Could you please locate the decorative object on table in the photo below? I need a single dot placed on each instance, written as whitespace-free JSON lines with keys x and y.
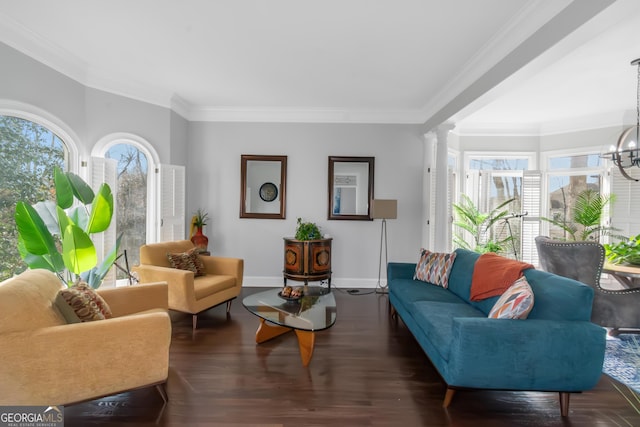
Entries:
{"x":383,"y":209}
{"x":307,"y":231}
{"x":198,"y":222}
{"x":626,"y":153}
{"x":291,"y":294}
{"x":268,"y":192}
{"x":56,"y":235}
{"x":625,"y":251}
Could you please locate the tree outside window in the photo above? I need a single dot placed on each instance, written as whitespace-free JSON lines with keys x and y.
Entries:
{"x":28,"y":154}
{"x":131,"y":202}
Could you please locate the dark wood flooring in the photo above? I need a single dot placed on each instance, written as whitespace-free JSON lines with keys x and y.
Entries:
{"x":366,"y":371}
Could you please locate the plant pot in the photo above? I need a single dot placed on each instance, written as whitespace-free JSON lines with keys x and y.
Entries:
{"x":200,"y":240}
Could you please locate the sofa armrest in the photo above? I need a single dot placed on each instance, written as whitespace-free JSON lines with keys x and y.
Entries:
{"x":224,"y":266}
{"x":70,"y":363}
{"x":134,"y":299}
{"x":180,"y":282}
{"x":532,"y":354}
{"x":400,"y":270}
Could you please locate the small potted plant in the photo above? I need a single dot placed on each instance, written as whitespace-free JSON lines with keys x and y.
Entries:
{"x":307,"y":231}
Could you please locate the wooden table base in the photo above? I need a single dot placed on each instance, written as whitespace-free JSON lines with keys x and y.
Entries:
{"x":306,"y":339}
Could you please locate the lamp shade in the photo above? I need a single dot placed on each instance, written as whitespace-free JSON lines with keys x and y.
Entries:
{"x":384,"y":209}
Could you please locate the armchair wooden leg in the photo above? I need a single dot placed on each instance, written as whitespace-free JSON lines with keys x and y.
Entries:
{"x":448,"y":397}
{"x":162,"y":390}
{"x":564,"y":403}
{"x":229,"y":305}
{"x":194,"y":321}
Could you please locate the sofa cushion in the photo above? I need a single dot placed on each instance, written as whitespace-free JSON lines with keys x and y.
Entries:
{"x":411,"y":290}
{"x":493,"y":274}
{"x":80,"y":303}
{"x":436,"y":321}
{"x":461,"y":273}
{"x":205,"y":286}
{"x":434,"y":267}
{"x":188,"y":260}
{"x":515,"y":303}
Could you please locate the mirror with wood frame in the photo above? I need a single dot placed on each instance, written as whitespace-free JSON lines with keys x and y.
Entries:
{"x":263,"y":182}
{"x":350,"y":187}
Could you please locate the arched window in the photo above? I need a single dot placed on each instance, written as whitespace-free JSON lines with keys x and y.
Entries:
{"x":29,"y":152}
{"x":135,"y":198}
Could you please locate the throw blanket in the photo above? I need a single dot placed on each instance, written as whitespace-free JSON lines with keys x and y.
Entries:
{"x":493,"y":274}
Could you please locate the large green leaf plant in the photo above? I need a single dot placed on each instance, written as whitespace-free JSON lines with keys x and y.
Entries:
{"x":478,"y":224}
{"x":585,"y":221}
{"x":56,"y":235}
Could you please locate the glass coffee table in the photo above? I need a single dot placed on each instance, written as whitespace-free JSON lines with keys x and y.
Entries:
{"x":313,"y":312}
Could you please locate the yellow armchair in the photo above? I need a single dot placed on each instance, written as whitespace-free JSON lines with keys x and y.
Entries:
{"x":45,"y":361}
{"x":187,"y":293}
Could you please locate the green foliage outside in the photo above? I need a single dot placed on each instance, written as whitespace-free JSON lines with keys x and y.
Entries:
{"x":585,"y":219}
{"x":479,"y":225}
{"x":28,"y":155}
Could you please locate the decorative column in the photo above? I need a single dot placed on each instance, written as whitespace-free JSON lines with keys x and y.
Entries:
{"x":428,"y":197}
{"x":441,"y":223}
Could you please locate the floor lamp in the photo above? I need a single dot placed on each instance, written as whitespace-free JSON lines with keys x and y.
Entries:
{"x":383,"y":209}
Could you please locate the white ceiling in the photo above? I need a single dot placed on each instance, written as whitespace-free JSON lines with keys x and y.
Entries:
{"x":388,"y":61}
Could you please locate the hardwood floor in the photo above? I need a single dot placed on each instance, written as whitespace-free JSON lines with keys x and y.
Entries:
{"x":366,"y":371}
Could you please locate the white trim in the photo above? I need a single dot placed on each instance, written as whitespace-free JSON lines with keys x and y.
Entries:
{"x":531,"y":157}
{"x":42,"y":117}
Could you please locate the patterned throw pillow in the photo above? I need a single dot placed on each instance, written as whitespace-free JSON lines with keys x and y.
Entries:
{"x":434,"y":267}
{"x":187,"y":261}
{"x":80,"y":303}
{"x":515,"y":303}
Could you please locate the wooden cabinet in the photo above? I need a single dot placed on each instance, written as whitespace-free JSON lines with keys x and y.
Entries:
{"x":308,"y":260}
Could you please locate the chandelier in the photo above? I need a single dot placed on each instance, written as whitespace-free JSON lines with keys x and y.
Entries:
{"x":626,"y":153}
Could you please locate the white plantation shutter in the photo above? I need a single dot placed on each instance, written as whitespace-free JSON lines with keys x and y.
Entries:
{"x":626,"y":207}
{"x":172,"y":203}
{"x":105,"y":171}
{"x":451,"y":198}
{"x":531,"y":200}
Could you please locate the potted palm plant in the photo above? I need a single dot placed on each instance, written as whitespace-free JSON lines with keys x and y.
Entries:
{"x":56,"y":235}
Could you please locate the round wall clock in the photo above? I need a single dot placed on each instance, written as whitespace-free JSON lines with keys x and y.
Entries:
{"x":268,"y":192}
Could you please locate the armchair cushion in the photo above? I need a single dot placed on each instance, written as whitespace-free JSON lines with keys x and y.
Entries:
{"x":80,"y":303}
{"x":188,"y":260}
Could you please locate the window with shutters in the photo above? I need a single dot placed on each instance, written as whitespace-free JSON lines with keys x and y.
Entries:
{"x":492,"y":179}
{"x":568,"y":175}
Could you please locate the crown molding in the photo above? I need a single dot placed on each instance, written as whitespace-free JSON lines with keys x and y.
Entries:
{"x":555,"y":127}
{"x":302,"y":115}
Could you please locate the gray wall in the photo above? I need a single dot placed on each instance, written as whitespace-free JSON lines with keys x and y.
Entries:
{"x":211,"y":153}
{"x":214,"y":185}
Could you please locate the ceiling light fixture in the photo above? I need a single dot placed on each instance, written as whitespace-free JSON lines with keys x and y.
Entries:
{"x":626,"y":153}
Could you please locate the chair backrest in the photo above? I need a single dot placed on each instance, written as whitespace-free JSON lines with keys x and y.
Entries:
{"x":581,"y":261}
{"x":26,"y":301}
{"x":156,"y":253}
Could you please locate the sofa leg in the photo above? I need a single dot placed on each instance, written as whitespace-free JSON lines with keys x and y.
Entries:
{"x":448,"y":397}
{"x":229,"y":305}
{"x":564,"y":403}
{"x":194,"y":321}
{"x":162,"y":390}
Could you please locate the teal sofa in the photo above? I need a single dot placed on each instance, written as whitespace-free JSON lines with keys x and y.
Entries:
{"x":556,"y":348}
